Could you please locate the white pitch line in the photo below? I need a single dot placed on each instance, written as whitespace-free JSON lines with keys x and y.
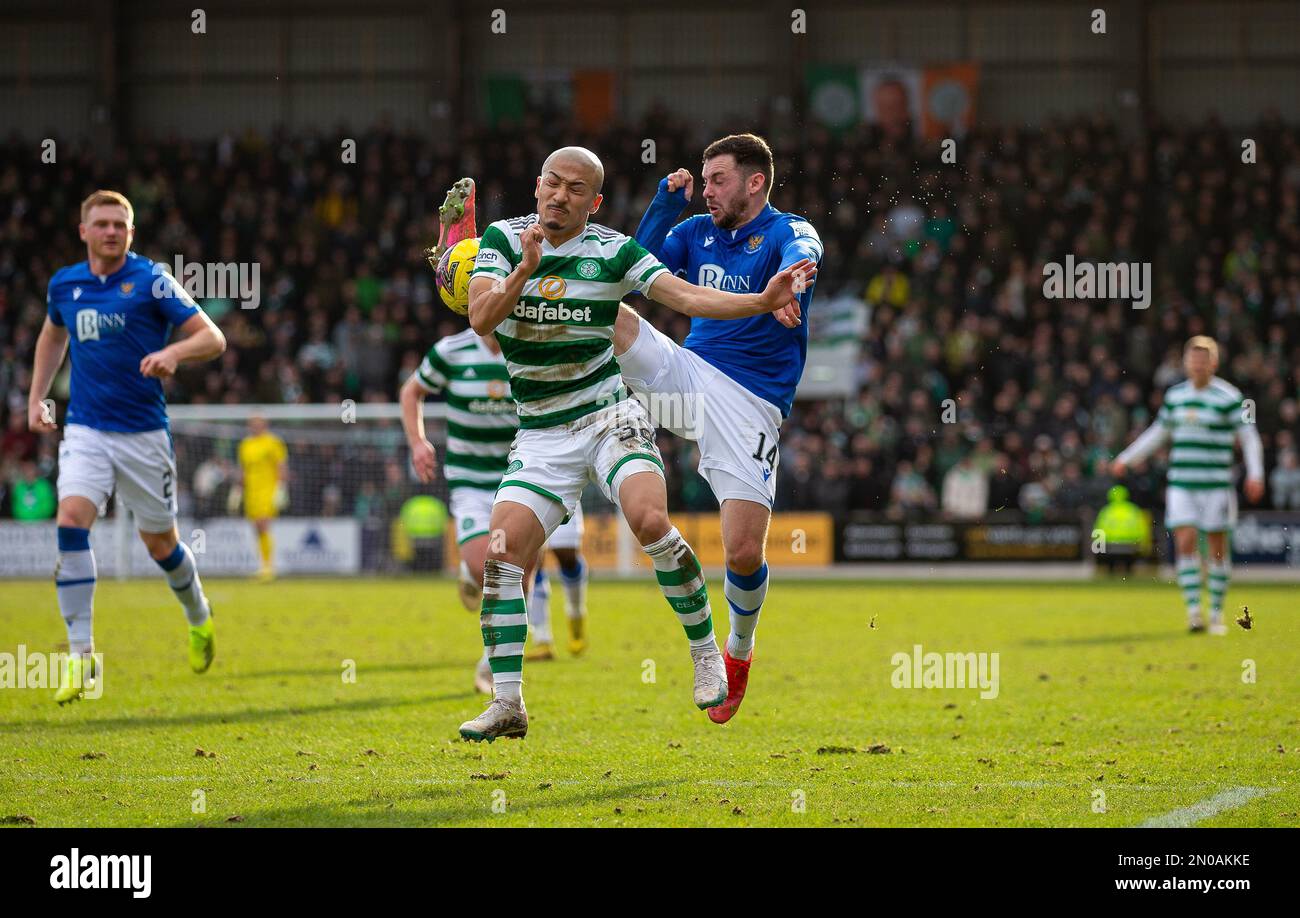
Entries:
{"x":1229,"y":799}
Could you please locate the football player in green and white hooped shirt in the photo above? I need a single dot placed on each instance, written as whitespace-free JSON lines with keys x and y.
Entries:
{"x":1203,"y":416}
{"x":549,"y":286}
{"x":481,"y":423}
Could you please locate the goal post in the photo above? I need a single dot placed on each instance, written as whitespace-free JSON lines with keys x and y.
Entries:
{"x":349,"y":481}
{"x":349,"y":478}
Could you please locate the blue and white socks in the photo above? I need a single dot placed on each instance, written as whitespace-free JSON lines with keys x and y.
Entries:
{"x":575,"y":589}
{"x":183,"y":577}
{"x":74,"y":581}
{"x":539,"y":609}
{"x":745,"y":594}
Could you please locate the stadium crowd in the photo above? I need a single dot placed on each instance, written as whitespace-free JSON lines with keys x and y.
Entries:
{"x":976,"y":394}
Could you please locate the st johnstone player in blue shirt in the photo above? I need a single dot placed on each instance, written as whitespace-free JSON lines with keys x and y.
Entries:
{"x":116,"y":312}
{"x":732,"y":382}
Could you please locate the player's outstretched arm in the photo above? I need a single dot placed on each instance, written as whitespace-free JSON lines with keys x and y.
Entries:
{"x":423,"y":455}
{"x":201,"y":340}
{"x":51,"y":345}
{"x":491,"y":299}
{"x":1147,"y":443}
{"x":1252,"y":450}
{"x":781,"y":293}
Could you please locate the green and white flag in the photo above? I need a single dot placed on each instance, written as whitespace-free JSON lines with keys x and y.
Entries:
{"x":833,"y":95}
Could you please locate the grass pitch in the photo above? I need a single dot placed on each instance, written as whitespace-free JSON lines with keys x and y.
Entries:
{"x":1100,"y":689}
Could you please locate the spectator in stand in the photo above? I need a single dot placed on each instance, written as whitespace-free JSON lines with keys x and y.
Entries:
{"x":867,"y":491}
{"x":1072,"y":491}
{"x":31,"y":496}
{"x":888,"y":288}
{"x":19,"y":444}
{"x":965,"y":491}
{"x":1285,"y":481}
{"x":911,"y":495}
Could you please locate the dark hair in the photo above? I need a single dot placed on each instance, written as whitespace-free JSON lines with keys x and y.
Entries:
{"x":751,"y":152}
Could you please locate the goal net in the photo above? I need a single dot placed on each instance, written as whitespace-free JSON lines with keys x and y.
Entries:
{"x":349,"y":481}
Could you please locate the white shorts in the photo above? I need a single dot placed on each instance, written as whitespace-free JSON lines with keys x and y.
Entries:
{"x":1209,"y":510}
{"x":471,"y":508}
{"x":550,"y":466}
{"x":140,"y":466}
{"x":738,"y":432}
{"x":569,"y":535}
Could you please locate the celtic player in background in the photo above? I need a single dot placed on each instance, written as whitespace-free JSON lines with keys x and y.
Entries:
{"x":549,"y":286}
{"x":118,"y":313}
{"x":1203,"y":416}
{"x":263,"y":465}
{"x":481,"y":423}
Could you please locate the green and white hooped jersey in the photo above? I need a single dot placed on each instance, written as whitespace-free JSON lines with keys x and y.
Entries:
{"x":559,"y":340}
{"x":481,"y":417}
{"x":1202,"y":425}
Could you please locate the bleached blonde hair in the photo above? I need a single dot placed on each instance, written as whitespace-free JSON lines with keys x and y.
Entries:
{"x":1202,"y":341}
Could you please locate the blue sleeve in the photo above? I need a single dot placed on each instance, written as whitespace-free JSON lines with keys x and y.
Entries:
{"x":655,"y":232}
{"x":803,"y":243}
{"x":50,"y":309}
{"x":173,"y":302}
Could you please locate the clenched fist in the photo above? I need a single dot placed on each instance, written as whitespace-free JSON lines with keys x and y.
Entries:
{"x":40,"y":417}
{"x":681,"y":179}
{"x":531,"y":241}
{"x":160,"y":364}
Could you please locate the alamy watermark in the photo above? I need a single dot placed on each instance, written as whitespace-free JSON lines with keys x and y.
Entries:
{"x":946,"y":670}
{"x":234,"y":280}
{"x":103,"y":871}
{"x":37,"y":670}
{"x":1086,"y":280}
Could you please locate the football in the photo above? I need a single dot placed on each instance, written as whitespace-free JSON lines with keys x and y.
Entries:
{"x":452,"y":275}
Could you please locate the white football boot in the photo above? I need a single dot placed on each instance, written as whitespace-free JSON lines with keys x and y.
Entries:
{"x":710,"y":677}
{"x":503,"y":717}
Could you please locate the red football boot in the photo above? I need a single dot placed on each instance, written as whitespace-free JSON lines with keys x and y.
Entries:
{"x":456,"y":219}
{"x":737,"y":679}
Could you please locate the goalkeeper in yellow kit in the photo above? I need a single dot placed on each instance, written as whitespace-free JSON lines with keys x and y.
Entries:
{"x":263,"y":461}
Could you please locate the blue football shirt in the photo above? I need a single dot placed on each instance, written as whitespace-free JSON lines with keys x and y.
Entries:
{"x":759,"y":352}
{"x":112,"y":323}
